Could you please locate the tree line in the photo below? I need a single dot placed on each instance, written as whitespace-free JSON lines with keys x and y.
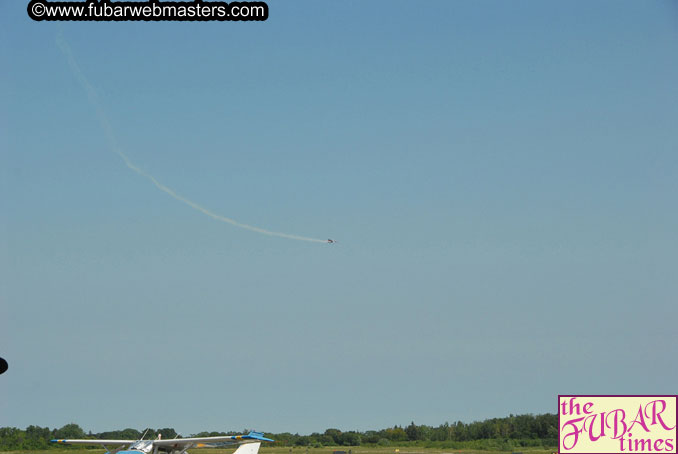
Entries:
{"x":496,"y":433}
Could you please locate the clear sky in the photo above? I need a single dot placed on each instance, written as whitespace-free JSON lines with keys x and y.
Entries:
{"x":502,"y":178}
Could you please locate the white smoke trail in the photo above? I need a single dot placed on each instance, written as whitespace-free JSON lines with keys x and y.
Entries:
{"x":103,"y":119}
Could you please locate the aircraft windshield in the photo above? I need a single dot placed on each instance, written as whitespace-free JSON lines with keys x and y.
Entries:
{"x":142,"y":445}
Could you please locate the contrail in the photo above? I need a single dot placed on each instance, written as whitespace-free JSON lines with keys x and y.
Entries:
{"x":103,"y":119}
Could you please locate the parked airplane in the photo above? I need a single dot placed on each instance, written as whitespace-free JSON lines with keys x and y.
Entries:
{"x":250,"y":444}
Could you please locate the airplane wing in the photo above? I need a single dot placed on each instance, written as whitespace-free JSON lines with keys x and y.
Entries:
{"x":93,"y":442}
{"x":251,"y":439}
{"x":117,"y":445}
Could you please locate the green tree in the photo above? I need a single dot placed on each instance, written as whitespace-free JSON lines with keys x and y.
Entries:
{"x":71,"y":430}
{"x":371,"y":436}
{"x":350,"y":439}
{"x":37,"y":437}
{"x":335,"y":435}
{"x":11,"y":438}
{"x":167,"y":433}
{"x":413,"y":432}
{"x":395,"y":434}
{"x":441,"y":433}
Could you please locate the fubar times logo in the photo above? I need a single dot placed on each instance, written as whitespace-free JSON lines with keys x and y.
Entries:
{"x":598,"y":424}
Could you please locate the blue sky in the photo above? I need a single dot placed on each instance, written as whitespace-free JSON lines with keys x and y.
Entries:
{"x":502,"y":179}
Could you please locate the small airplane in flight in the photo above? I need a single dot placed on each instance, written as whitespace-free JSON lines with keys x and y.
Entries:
{"x":330,"y":241}
{"x":250,"y":444}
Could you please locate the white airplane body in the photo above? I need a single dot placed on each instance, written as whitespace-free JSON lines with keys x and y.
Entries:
{"x":250,"y":444}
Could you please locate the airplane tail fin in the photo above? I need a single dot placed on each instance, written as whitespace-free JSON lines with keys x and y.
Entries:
{"x":248,"y":448}
{"x":256,"y":436}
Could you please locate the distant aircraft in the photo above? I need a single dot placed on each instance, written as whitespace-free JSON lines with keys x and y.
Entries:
{"x":330,"y":241}
{"x":250,"y":444}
